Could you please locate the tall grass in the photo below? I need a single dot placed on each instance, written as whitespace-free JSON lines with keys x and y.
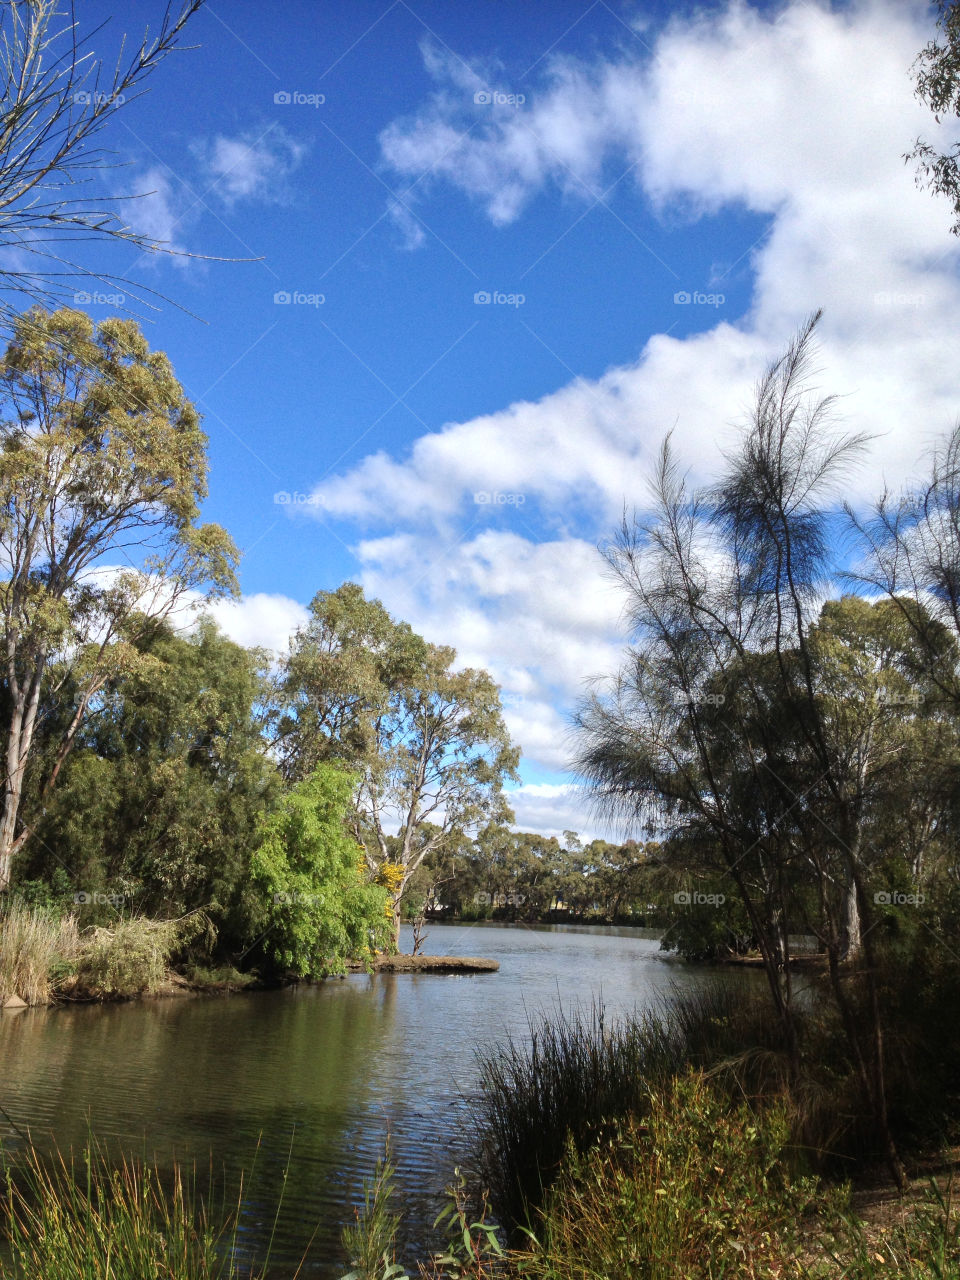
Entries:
{"x":579,"y":1073}
{"x":32,"y":943}
{"x":84,"y":1218}
{"x":370,"y":1241}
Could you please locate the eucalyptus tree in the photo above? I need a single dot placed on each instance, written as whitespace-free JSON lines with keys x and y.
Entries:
{"x":427,"y":740}
{"x":911,"y":545}
{"x":102,"y":471}
{"x":162,"y":797}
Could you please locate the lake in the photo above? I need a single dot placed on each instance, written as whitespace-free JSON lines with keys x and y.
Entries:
{"x":314,"y":1078}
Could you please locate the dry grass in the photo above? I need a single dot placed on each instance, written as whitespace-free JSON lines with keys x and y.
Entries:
{"x":31,"y":944}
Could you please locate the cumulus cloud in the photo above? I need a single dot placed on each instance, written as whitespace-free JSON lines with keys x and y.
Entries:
{"x":260,"y":620}
{"x":552,"y":808}
{"x":799,"y":114}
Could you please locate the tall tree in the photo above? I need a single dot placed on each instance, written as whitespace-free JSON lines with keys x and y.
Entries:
{"x":162,"y":797}
{"x":428,"y":741}
{"x":102,"y":470}
{"x":717,"y":726}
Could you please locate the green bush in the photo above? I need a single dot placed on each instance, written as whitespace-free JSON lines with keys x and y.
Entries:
{"x":133,"y":957}
{"x":697,"y":1189}
{"x":579,"y":1072}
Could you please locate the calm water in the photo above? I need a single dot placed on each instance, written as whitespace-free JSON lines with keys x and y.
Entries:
{"x":318,"y":1076}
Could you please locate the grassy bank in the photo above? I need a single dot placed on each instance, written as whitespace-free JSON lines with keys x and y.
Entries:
{"x":688,"y":1144}
{"x":44,"y":957}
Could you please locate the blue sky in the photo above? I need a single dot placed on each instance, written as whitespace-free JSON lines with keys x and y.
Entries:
{"x":653,"y":196}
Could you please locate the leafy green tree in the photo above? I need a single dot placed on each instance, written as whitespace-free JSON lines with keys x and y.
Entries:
{"x":318,"y":908}
{"x":101,"y":454}
{"x":343,"y":669}
{"x":427,"y":741}
{"x":162,"y":798}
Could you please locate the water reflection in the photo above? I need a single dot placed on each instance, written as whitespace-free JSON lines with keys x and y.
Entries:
{"x":313,"y":1079}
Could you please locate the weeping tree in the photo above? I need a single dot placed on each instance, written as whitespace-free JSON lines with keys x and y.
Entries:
{"x":102,"y":471}
{"x":719,"y":729}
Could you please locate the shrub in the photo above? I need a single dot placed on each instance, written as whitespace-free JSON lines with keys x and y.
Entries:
{"x":696,"y":1190}
{"x":579,"y":1072}
{"x":133,"y":957}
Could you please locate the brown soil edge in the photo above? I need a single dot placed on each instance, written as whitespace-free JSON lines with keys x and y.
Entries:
{"x":426,"y":964}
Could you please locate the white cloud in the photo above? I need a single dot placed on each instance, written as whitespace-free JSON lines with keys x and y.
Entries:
{"x":260,"y":620}
{"x":251,"y":166}
{"x":799,"y":114}
{"x":155,"y":211}
{"x":552,"y":808}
